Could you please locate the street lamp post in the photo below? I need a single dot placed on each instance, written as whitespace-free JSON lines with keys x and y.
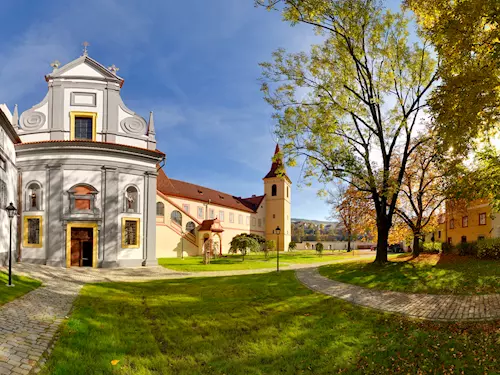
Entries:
{"x":11,"y":211}
{"x":278,"y":231}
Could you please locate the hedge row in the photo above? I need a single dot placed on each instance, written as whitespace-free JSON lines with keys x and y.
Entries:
{"x":483,"y":249}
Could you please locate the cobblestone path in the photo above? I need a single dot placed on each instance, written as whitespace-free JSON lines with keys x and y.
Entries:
{"x":423,"y":306}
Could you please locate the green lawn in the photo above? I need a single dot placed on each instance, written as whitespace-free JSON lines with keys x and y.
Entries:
{"x":253,"y":261}
{"x":255,"y":324}
{"x":434,"y":274}
{"x":22,"y":284}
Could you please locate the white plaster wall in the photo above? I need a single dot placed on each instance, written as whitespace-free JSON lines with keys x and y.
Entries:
{"x":168,"y":238}
{"x":74,"y":177}
{"x":121,"y":116}
{"x":335,"y":245}
{"x":82,"y":70}
{"x":124,"y":180}
{"x":67,"y":108}
{"x":45,"y":110}
{"x":27,"y":178}
{"x":131,"y":141}
{"x":9,"y":176}
{"x":37,"y":137}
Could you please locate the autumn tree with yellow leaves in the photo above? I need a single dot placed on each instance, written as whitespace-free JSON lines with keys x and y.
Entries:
{"x":355,"y":211}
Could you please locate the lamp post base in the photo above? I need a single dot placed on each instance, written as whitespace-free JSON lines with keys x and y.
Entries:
{"x":9,"y":285}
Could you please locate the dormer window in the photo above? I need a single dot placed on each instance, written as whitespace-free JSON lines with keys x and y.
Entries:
{"x":83,"y":126}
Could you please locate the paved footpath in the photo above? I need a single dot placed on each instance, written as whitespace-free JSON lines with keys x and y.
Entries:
{"x":422,"y":306}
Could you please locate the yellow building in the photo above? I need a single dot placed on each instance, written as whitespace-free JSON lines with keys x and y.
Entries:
{"x":192,"y":218}
{"x":467,"y":222}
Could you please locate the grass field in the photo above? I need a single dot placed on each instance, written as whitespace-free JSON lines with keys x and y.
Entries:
{"x":252,"y":261}
{"x":22,"y":286}
{"x":255,"y":324}
{"x":434,"y":274}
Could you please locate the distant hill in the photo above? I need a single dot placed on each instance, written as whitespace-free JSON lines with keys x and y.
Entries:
{"x":316,"y":222}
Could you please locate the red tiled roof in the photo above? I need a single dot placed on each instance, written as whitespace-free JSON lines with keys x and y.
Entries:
{"x":253,"y":202}
{"x":170,"y":187}
{"x":91,"y":143}
{"x":277,"y":164}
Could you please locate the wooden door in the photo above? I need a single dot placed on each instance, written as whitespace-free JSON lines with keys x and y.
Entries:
{"x":81,"y":239}
{"x":76,"y":253}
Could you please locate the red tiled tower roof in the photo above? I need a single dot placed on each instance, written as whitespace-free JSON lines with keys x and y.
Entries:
{"x":277,"y":166}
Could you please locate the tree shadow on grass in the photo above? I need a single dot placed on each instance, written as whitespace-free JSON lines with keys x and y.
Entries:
{"x":256,"y":324}
{"x":432,"y":274}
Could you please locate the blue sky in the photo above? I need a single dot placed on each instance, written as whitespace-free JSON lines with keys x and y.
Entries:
{"x":193,"y":62}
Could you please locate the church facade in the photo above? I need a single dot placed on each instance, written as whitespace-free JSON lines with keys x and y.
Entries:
{"x":86,"y":182}
{"x":85,"y":176}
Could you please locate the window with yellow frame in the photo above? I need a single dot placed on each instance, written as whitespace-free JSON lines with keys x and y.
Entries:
{"x":130,"y":233}
{"x":83,"y":126}
{"x":33,"y":232}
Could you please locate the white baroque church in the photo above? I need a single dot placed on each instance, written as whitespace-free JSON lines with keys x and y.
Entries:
{"x":86,"y":178}
{"x":86,"y":173}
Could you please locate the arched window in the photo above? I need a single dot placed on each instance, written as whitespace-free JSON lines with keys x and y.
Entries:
{"x":82,"y":198}
{"x":190,"y":227}
{"x":131,"y":199}
{"x":33,"y":197}
{"x":273,"y":190}
{"x":176,"y":217}
{"x":160,"y":209}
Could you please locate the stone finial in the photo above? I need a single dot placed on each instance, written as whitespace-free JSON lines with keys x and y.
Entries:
{"x":113,"y":69}
{"x":15,"y":117}
{"x":55,"y":65}
{"x":151,"y":124}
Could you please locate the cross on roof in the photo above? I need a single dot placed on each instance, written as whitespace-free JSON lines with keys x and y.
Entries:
{"x":85,"y":45}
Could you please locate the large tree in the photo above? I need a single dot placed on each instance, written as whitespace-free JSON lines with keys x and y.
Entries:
{"x":466,"y":35}
{"x":351,"y":105}
{"x":422,"y":191}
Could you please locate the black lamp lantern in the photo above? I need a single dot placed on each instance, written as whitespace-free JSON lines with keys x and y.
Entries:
{"x":11,"y":211}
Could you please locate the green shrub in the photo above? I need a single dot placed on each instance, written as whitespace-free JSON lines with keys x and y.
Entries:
{"x":467,"y":248}
{"x":292,"y":245}
{"x":319,"y":248}
{"x":488,"y":248}
{"x":446,"y":248}
{"x":431,"y":247}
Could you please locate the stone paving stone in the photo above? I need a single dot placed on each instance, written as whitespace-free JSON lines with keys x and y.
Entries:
{"x":423,"y":306}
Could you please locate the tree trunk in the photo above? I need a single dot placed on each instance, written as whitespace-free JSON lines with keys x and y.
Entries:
{"x":348,"y":243}
{"x":416,"y":244}
{"x":383,"y":228}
